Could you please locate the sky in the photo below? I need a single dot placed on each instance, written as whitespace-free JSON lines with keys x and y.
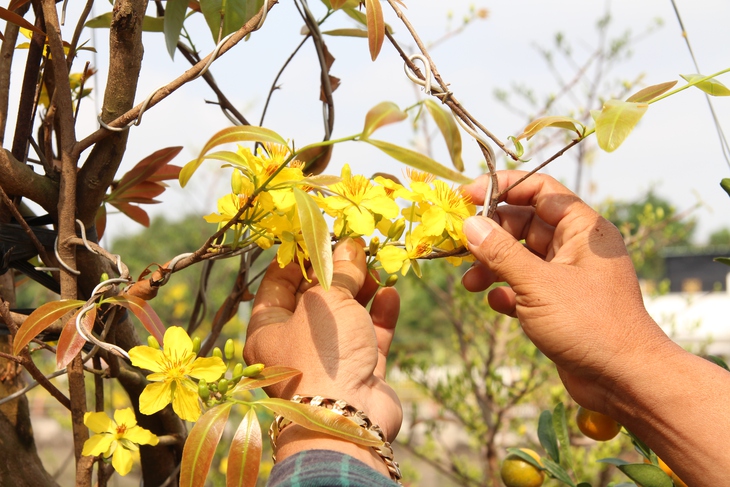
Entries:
{"x":674,"y":149}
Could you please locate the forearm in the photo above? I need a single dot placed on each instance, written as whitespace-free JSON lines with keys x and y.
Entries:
{"x":677,"y":403}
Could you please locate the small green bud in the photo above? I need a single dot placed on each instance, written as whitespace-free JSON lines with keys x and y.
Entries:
{"x":229,"y":349}
{"x":152,"y":342}
{"x":395,"y":231}
{"x":237,"y":371}
{"x":218,"y":353}
{"x":392,"y":279}
{"x":203,"y":390}
{"x":104,"y":277}
{"x":223,"y":386}
{"x":253,"y":370}
{"x":196,"y":345}
{"x":374,"y":246}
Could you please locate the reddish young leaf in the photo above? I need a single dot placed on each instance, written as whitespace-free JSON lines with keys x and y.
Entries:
{"x":146,"y":168}
{"x":143,"y":311}
{"x":70,"y":342}
{"x":16,"y":4}
{"x":40,"y":319}
{"x":376,"y":27}
{"x":166,"y":172}
{"x":337,"y":4}
{"x":323,"y":420}
{"x":268,"y":376}
{"x":384,"y":113}
{"x":201,"y":444}
{"x":244,"y":456}
{"x":651,"y":92}
{"x":134,"y":212}
{"x":16,"y":19}
{"x":144,"y":191}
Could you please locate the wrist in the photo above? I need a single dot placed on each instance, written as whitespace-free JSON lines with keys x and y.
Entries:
{"x":295,"y":439}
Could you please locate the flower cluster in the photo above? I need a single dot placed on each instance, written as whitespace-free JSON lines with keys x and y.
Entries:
{"x":414,"y":221}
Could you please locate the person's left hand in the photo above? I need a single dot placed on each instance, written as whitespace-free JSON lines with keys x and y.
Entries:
{"x":329,"y":336}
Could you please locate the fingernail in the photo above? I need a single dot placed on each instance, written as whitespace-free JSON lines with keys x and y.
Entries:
{"x":345,"y":250}
{"x":476,"y":229}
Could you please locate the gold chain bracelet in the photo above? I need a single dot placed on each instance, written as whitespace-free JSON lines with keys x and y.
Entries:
{"x":340,"y":407}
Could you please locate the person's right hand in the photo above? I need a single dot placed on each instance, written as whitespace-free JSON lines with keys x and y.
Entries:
{"x":571,"y":284}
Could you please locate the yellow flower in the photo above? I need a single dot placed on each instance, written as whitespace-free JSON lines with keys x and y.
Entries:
{"x":116,"y":438}
{"x":289,"y":232}
{"x":172,"y":368}
{"x":394,"y":259}
{"x":448,"y":208}
{"x":355,"y":203}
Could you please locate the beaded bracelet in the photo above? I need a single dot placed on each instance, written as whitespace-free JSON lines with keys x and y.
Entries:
{"x":340,"y":407}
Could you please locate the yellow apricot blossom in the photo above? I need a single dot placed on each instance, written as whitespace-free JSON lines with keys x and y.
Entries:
{"x":394,"y":258}
{"x":355,"y":203}
{"x":447,"y":210}
{"x":116,"y":438}
{"x":172,"y":368}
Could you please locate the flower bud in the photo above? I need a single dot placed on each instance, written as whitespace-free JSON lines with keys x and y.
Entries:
{"x":223,"y":386}
{"x":196,"y":345}
{"x":104,"y":277}
{"x":392,"y":279}
{"x":237,"y":182}
{"x":152,"y":342}
{"x":218,"y":353}
{"x":253,"y":370}
{"x":395,"y":231}
{"x":237,"y":371}
{"x":203,"y":390}
{"x":374,"y":245}
{"x":229,"y":349}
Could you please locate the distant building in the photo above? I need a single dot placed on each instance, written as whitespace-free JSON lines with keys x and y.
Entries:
{"x":695,"y":270}
{"x":696,"y":311}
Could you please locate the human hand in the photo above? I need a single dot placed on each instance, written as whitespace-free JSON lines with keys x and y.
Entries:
{"x":571,"y":284}
{"x":340,"y":348}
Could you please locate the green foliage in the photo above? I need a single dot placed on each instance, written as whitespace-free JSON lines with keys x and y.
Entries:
{"x":649,"y":224}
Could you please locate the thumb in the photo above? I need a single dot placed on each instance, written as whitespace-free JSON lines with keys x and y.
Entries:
{"x":350,"y":269}
{"x":494,"y":247}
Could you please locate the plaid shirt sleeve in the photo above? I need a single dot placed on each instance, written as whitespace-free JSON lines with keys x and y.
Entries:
{"x":325,"y":468}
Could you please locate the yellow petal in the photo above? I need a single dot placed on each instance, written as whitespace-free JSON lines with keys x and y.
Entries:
{"x":99,"y":422}
{"x":125,"y":417}
{"x":147,"y":358}
{"x":392,"y":258}
{"x":177,"y":343}
{"x":97,"y":444}
{"x":208,"y":368}
{"x":382,"y":205}
{"x":155,"y":397}
{"x":360,"y":220}
{"x":122,"y":460}
{"x":186,"y":401}
{"x":141,"y":436}
{"x":433,"y":221}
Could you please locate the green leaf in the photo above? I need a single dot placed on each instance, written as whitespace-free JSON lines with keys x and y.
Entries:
{"x":201,"y":444}
{"x":616,"y":121}
{"x":651,"y":92}
{"x":546,"y":435}
{"x":322,"y":420}
{"x":647,"y":475}
{"x":226,"y":16}
{"x":613,"y":461}
{"x":143,"y":311}
{"x":149,"y":24}
{"x":418,"y":161}
{"x":583,"y":484}
{"x":376,"y":27}
{"x":316,"y":235}
{"x":173,"y":23}
{"x":244,"y":455}
{"x":446,"y":124}
{"x":246,"y":133}
{"x":556,"y":121}
{"x":338,"y":4}
{"x":725,"y":184}
{"x":640,"y":445}
{"x":710,"y":86}
{"x":519,"y":150}
{"x":722,"y":260}
{"x":560,"y":425}
{"x":557,"y":471}
{"x":40,"y":319}
{"x":383,"y":113}
{"x":70,"y":342}
{"x":354,"y":32}
{"x":265,"y":378}
{"x":356,"y":15}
